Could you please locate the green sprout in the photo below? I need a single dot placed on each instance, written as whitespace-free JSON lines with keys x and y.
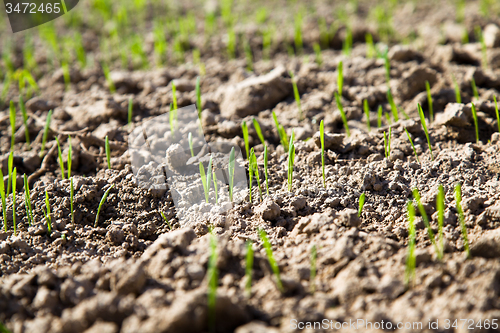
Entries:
{"x":10,"y":166}
{"x":255,"y":169}
{"x":422,"y":119}
{"x":458,"y":97}
{"x":107,"y":76}
{"x":379,"y":116}
{"x":461,"y":217}
{"x":370,"y":47}
{"x":296,"y":94}
{"x":411,"y":261}
{"x":387,"y":65}
{"x":281,"y":132}
{"x":259,"y":131}
{"x":394,"y":108}
{"x":429,"y":100}
{"x":174,"y":95}
{"x":362,"y":198}
{"x":317,"y":52}
{"x":312,"y":274}
{"x":190,"y":141}
{"x":248,"y":56}
{"x":249,"y":268}
{"x":47,"y":213}
{"x":205,"y":178}
{"x":14,"y":182}
{"x":4,"y":203}
{"x":70,"y":156}
{"x":250,"y":175}
{"x":46,"y":131}
{"x":198,"y":97}
{"x":231,"y":173}
{"x":12,"y":117}
{"x":213,"y":275}
{"x":387,"y":144}
{"x":108,"y":151}
{"x":412,"y":145}
{"x":166,"y":220}
{"x":291,"y":162}
{"x":430,"y":233}
{"x":25,"y":121}
{"x":347,"y":47}
{"x":244,"y":128}
{"x":496,"y":111}
{"x":60,"y":159}
{"x":322,"y":140}
{"x":367,"y":114}
{"x":474,"y":88}
{"x":270,"y":258}
{"x":440,"y":210}
{"x":342,"y":113}
{"x":215,"y":187}
{"x":340,"y":77}
{"x":172,"y":117}
{"x":71,"y":199}
{"x":474,"y":116}
{"x":101,"y":203}
{"x":298,"y":33}
{"x":130,"y":111}
{"x":3,"y":329}
{"x":388,"y":118}
{"x":66,"y":75}
{"x":266,"y":157}
{"x":231,"y":44}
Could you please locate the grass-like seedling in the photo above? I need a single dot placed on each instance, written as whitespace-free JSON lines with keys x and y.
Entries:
{"x":387,"y":65}
{"x":312,"y":271}
{"x":281,"y":132}
{"x":362,"y":199}
{"x":429,"y":101}
{"x":266,"y":160}
{"x":174,"y":95}
{"x":412,"y":145}
{"x":231,"y":165}
{"x":216,"y":188}
{"x":107,"y":76}
{"x":198,"y":97}
{"x":496,"y":111}
{"x":244,"y":129}
{"x":430,"y":233}
{"x":101,"y":203}
{"x":340,"y":77}
{"x":394,"y":108}
{"x":270,"y":258}
{"x":25,"y":121}
{"x":4,"y":202}
{"x":347,"y":46}
{"x":322,"y":140}
{"x":190,"y":141}
{"x":71,"y":199}
{"x":172,"y":119}
{"x":46,"y":132}
{"x":3,"y":329}
{"x":388,"y":119}
{"x":370,"y":46}
{"x":317,"y":52}
{"x":461,"y":217}
{"x":10,"y":166}
{"x":12,"y":117}
{"x":411,"y":261}
{"x":296,"y":94}
{"x":205,"y":178}
{"x":342,"y":114}
{"x":422,"y":120}
{"x":366,"y":109}
{"x":166,"y":220}
{"x":47,"y":213}
{"x":70,"y":156}
{"x":474,"y":116}
{"x":255,"y":168}
{"x":458,"y":97}
{"x":130,"y":111}
{"x":387,"y":144}
{"x":14,"y":183}
{"x":60,"y":159}
{"x":291,"y":162}
{"x":248,"y":56}
{"x":213,"y":281}
{"x":249,"y":268}
{"x":440,"y":210}
{"x":298,"y":33}
{"x":474,"y":88}
{"x":259,"y":131}
{"x":108,"y":151}
{"x":379,"y":116}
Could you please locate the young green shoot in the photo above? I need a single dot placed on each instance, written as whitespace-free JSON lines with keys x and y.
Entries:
{"x":255,"y":169}
{"x":461,"y":217}
{"x":496,"y":112}
{"x":198,"y":97}
{"x":322,"y":140}
{"x":429,"y":101}
{"x":412,"y":145}
{"x":379,"y":116}
{"x":70,"y":157}
{"x":296,"y":94}
{"x":25,"y":121}
{"x":174,"y":95}
{"x":298,"y":34}
{"x":172,"y":115}
{"x":4,"y":202}
{"x":60,"y":159}
{"x":347,"y":45}
{"x":259,"y":131}
{"x":10,"y":166}
{"x":430,"y":233}
{"x":12,"y":117}
{"x":474,"y":88}
{"x":14,"y":182}
{"x":3,"y":329}
{"x":317,"y":52}
{"x":312,"y":274}
{"x":216,"y":188}
{"x":206,"y":178}
{"x":108,"y":151}
{"x":231,"y":172}
{"x":411,"y":261}
{"x":342,"y":113}
{"x":387,"y":144}
{"x":388,"y":119}
{"x":340,"y":77}
{"x":107,"y":76}
{"x":248,"y":56}
{"x":422,"y":120}
{"x":249,"y":268}
{"x":394,"y":108}
{"x":213,"y":276}
{"x":370,"y":46}
{"x":366,"y":109}
{"x":190,"y":141}
{"x":130,"y":111}
{"x":458,"y":97}
{"x":47,"y":213}
{"x":291,"y":162}
{"x":71,"y":199}
{"x":440,"y":210}
{"x":46,"y":132}
{"x":281,"y":132}
{"x":362,"y":199}
{"x":474,"y":116}
{"x":266,"y":159}
{"x":387,"y":65}
{"x":166,"y":220}
{"x":270,"y":257}
{"x":244,"y":128}
{"x":101,"y":203}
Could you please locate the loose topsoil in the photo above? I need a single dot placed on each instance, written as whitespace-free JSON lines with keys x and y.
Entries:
{"x":135,"y":273}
